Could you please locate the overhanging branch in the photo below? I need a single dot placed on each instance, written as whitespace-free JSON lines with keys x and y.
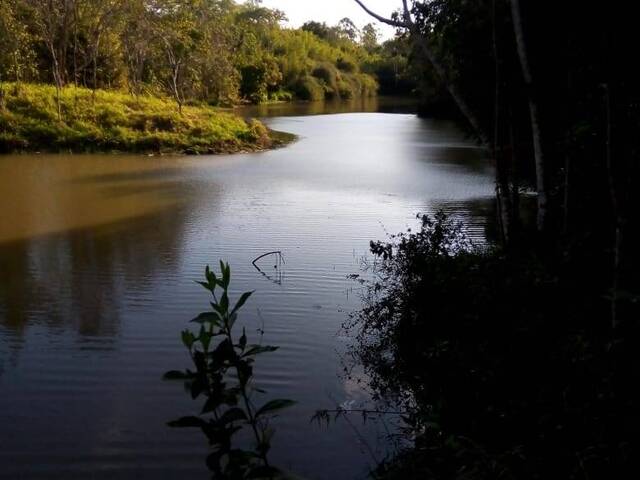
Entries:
{"x":380,"y":18}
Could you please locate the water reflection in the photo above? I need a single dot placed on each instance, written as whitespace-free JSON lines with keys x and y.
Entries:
{"x":369,"y":104}
{"x":94,"y":234}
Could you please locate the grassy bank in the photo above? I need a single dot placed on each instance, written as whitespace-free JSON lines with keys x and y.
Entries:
{"x":114,"y":121}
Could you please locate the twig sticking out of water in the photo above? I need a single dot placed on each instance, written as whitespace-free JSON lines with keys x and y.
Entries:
{"x":279,"y":257}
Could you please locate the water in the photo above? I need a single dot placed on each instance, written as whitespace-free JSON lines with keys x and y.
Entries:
{"x":97,"y":260}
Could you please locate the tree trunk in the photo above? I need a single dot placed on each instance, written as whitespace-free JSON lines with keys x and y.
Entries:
{"x":451,"y":87}
{"x":1,"y":94}
{"x":534,"y":115}
{"x":615,"y":207}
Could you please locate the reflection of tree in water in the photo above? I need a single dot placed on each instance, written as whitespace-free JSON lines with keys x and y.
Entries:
{"x":360,"y":104}
{"x":77,"y":279}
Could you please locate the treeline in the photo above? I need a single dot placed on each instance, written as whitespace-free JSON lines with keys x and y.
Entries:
{"x":553,"y":97}
{"x":213,"y":51}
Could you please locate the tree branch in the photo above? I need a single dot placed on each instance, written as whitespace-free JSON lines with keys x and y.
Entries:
{"x":380,"y":18}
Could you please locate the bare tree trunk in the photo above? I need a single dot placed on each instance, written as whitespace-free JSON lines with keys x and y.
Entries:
{"x":450,"y":85}
{"x":534,"y":114}
{"x":57,"y":79}
{"x":2,"y":94}
{"x":615,"y":206}
{"x":503,"y":194}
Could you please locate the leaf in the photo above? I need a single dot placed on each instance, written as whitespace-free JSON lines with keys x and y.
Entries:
{"x":211,"y":317}
{"x":188,"y":422}
{"x":232,"y":415}
{"x":243,"y":340}
{"x":243,"y":299}
{"x":197,"y":387}
{"x":205,"y":338}
{"x":263,"y":471}
{"x":205,"y":285}
{"x":224,"y":303}
{"x":210,"y":276}
{"x":274,"y":405}
{"x":177,"y":375}
{"x":257,"y":349}
{"x":232,"y":320}
{"x":188,"y":339}
{"x":210,"y":405}
{"x":226,"y":274}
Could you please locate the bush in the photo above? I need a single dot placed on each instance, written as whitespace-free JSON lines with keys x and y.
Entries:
{"x":504,"y":366}
{"x":346,"y":65}
{"x":308,"y":88}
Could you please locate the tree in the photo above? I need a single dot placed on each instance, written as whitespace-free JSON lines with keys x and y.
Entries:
{"x":16,"y":54}
{"x":536,"y":133}
{"x":348,"y":29}
{"x":53,"y":20}
{"x":369,"y":37}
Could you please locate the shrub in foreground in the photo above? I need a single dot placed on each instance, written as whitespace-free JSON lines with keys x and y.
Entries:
{"x":505,"y":365}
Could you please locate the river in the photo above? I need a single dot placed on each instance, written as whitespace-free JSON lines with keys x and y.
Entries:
{"x":98,"y":254}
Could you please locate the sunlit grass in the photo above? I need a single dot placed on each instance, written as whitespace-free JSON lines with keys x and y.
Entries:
{"x":117,"y":121}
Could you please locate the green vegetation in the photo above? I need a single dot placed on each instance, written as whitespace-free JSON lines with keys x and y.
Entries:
{"x":112,"y":121}
{"x":218,"y":52}
{"x":197,"y":53}
{"x":501,"y":364}
{"x":223,"y":376}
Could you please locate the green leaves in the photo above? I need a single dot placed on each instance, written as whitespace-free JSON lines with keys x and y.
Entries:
{"x":232,"y":415}
{"x":217,"y":356}
{"x":243,"y":299}
{"x":273,"y":406}
{"x":188,"y":339}
{"x":257,"y":349}
{"x":208,"y":317}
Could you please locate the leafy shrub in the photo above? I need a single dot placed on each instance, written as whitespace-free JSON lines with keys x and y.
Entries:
{"x":504,"y":366}
{"x":308,"y":88}
{"x":223,"y":377}
{"x":346,"y":65}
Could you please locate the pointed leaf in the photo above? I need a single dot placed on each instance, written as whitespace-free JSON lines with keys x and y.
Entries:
{"x":188,"y":422}
{"x":274,"y":405}
{"x":212,"y":317}
{"x":243,"y":340}
{"x":256,"y":349}
{"x":232,"y":415}
{"x":243,"y":299}
{"x":177,"y":375}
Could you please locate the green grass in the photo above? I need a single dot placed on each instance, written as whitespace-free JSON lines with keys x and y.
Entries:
{"x":114,"y":121}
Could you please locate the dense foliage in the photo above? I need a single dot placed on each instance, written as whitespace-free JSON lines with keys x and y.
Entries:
{"x":520,"y":361}
{"x":214,"y":51}
{"x":504,"y":366}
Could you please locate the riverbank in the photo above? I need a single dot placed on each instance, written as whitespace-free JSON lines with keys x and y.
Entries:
{"x":110,"y":121}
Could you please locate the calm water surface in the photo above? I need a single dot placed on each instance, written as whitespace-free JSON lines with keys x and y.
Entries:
{"x":97,"y":258}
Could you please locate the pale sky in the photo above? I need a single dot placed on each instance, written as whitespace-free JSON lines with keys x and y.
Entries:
{"x":332,"y":11}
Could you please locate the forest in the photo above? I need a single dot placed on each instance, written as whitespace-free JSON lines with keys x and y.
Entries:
{"x":217,"y":52}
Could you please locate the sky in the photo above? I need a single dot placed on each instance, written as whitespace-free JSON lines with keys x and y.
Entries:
{"x":332,"y":11}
